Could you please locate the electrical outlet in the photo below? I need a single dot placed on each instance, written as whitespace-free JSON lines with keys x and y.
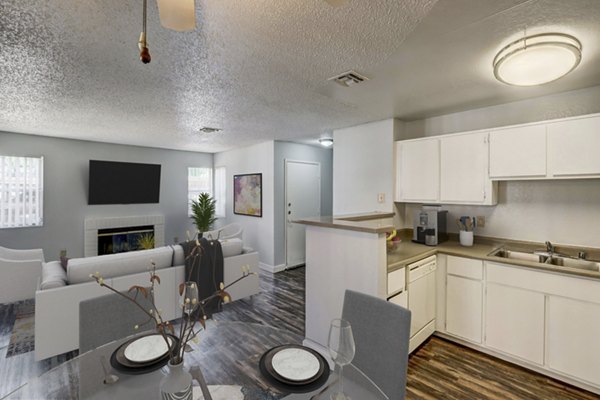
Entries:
{"x":381,"y":197}
{"x":480,"y":221}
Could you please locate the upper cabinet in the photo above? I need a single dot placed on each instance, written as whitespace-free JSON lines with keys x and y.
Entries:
{"x":446,"y":169}
{"x":574,"y":148}
{"x":418,"y":170}
{"x":518,"y":153}
{"x":463,"y":176}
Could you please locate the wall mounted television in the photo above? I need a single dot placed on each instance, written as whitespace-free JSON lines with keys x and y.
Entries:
{"x":112,"y":182}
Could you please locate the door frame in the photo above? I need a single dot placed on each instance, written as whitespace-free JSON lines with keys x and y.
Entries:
{"x":285,"y":198}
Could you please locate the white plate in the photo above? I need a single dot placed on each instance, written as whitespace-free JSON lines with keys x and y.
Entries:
{"x":147,"y":348}
{"x":295,"y":364}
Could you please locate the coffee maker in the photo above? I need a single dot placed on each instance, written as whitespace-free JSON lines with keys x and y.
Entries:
{"x":429,"y":225}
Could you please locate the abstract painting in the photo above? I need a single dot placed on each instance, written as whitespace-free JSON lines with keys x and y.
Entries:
{"x":247,"y":195}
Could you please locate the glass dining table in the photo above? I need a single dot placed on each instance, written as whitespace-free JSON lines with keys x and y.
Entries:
{"x":227,"y":355}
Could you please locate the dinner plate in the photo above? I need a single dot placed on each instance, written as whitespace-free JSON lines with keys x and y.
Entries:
{"x":295,"y":364}
{"x":122,"y":364}
{"x":286,"y":385}
{"x":147,"y":349}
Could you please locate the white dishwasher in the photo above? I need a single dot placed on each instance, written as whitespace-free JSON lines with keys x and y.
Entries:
{"x":421,"y":300}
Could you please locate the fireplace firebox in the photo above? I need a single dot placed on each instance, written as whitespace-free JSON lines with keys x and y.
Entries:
{"x":121,"y":240}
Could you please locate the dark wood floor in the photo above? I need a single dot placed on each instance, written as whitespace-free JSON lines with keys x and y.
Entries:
{"x":438,"y":370}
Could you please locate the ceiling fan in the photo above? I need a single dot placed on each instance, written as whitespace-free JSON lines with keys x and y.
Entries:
{"x":180,"y":16}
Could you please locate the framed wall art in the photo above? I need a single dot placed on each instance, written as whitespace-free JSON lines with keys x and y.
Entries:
{"x":247,"y":195}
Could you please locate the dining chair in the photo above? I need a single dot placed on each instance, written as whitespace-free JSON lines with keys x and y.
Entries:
{"x":381,"y":333}
{"x":110,"y":317}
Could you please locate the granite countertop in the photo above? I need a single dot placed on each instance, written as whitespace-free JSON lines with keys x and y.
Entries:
{"x":374,"y":222}
{"x":408,"y":252}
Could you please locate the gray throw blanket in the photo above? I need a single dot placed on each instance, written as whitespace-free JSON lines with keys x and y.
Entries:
{"x":205,"y":267}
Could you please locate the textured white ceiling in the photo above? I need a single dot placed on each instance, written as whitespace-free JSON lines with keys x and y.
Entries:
{"x":259,"y":68}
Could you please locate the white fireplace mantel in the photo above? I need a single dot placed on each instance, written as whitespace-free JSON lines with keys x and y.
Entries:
{"x":92,"y":225}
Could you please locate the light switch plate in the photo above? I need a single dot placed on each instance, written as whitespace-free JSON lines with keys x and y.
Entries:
{"x":480,"y":221}
{"x":381,"y":197}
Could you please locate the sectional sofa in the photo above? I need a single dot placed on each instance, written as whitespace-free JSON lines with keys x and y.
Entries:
{"x":60,"y":291}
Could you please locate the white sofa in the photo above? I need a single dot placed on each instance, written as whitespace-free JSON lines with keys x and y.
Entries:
{"x":20,"y":271}
{"x":58,"y":296}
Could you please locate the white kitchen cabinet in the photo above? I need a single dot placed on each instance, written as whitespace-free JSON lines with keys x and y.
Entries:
{"x":418,"y":170}
{"x":464,"y":170}
{"x":518,"y":153}
{"x":464,"y":303}
{"x":573,"y":338}
{"x":515,"y":322}
{"x":573,"y":148}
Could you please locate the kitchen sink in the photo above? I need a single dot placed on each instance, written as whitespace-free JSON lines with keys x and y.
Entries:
{"x":560,"y":260}
{"x":573,"y":263}
{"x":518,"y":255}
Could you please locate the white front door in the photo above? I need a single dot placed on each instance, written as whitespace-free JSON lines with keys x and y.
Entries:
{"x":302,"y":200}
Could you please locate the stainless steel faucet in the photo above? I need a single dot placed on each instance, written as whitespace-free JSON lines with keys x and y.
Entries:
{"x":549,"y":247}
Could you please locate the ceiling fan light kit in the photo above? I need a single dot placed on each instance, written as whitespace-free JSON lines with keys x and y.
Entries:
{"x":178,"y":15}
{"x":537,"y":59}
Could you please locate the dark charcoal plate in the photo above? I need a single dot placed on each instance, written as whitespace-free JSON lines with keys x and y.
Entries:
{"x":287,"y":385}
{"x":122,"y":364}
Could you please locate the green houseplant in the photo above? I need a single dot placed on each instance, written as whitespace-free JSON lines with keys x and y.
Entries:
{"x":203,"y":212}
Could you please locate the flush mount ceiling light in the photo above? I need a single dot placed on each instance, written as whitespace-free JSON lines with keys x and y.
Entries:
{"x":327,"y":142}
{"x":537,"y":59}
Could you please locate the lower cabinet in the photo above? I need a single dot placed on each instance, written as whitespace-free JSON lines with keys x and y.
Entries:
{"x":573,"y":338}
{"x":515,"y":322}
{"x":464,"y":300}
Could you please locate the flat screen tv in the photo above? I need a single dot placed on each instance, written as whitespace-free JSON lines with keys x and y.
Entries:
{"x":113,"y":182}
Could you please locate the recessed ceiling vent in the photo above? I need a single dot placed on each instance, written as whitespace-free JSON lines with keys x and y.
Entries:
{"x":207,"y":129}
{"x":349,"y":78}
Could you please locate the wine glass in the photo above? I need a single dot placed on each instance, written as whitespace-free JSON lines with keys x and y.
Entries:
{"x":189,"y":298}
{"x":341,"y":348}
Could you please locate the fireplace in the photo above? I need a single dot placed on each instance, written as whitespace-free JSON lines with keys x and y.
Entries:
{"x":108,"y":235}
{"x":121,"y":240}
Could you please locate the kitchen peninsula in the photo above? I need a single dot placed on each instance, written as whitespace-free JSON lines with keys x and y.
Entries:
{"x":346,"y":252}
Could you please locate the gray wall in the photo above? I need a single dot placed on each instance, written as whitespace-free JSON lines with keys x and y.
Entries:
{"x":298,"y":152}
{"x":66,"y":183}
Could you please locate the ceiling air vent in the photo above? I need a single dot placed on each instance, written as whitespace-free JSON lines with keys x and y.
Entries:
{"x":349,"y":78}
{"x":207,"y":129}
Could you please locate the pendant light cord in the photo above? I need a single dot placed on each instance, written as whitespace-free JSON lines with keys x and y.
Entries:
{"x":144,"y":21}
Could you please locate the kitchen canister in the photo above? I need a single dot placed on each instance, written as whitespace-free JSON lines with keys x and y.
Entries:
{"x":466,"y":238}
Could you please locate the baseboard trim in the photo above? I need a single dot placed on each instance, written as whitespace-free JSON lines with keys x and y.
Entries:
{"x":271,"y":268}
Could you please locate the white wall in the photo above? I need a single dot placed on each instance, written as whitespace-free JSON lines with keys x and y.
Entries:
{"x":66,"y":206}
{"x":258,"y":232}
{"x":363,"y":166}
{"x":561,"y":105}
{"x":566,"y":212}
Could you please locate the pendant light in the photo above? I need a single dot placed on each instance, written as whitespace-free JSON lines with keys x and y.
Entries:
{"x":537,"y":59}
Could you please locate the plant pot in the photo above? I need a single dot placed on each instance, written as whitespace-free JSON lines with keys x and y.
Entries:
{"x":177,"y":384}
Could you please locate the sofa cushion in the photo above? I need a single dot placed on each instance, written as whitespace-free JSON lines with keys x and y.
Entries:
{"x":53,"y":275}
{"x":112,"y":265}
{"x":231,"y":247}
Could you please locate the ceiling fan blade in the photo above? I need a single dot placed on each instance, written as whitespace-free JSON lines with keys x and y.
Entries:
{"x":336,"y":3}
{"x":178,"y":15}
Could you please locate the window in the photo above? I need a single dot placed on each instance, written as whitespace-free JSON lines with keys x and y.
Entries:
{"x":220,"y":190}
{"x":199,"y":181}
{"x":21,"y":191}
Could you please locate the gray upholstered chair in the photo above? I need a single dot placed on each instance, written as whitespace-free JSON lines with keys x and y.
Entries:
{"x":111,"y":317}
{"x":381,"y":332}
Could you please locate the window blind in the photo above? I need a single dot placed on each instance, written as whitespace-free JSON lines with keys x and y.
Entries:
{"x":21,"y":191}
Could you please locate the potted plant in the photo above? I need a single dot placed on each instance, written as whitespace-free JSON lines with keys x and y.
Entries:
{"x":203,"y":212}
